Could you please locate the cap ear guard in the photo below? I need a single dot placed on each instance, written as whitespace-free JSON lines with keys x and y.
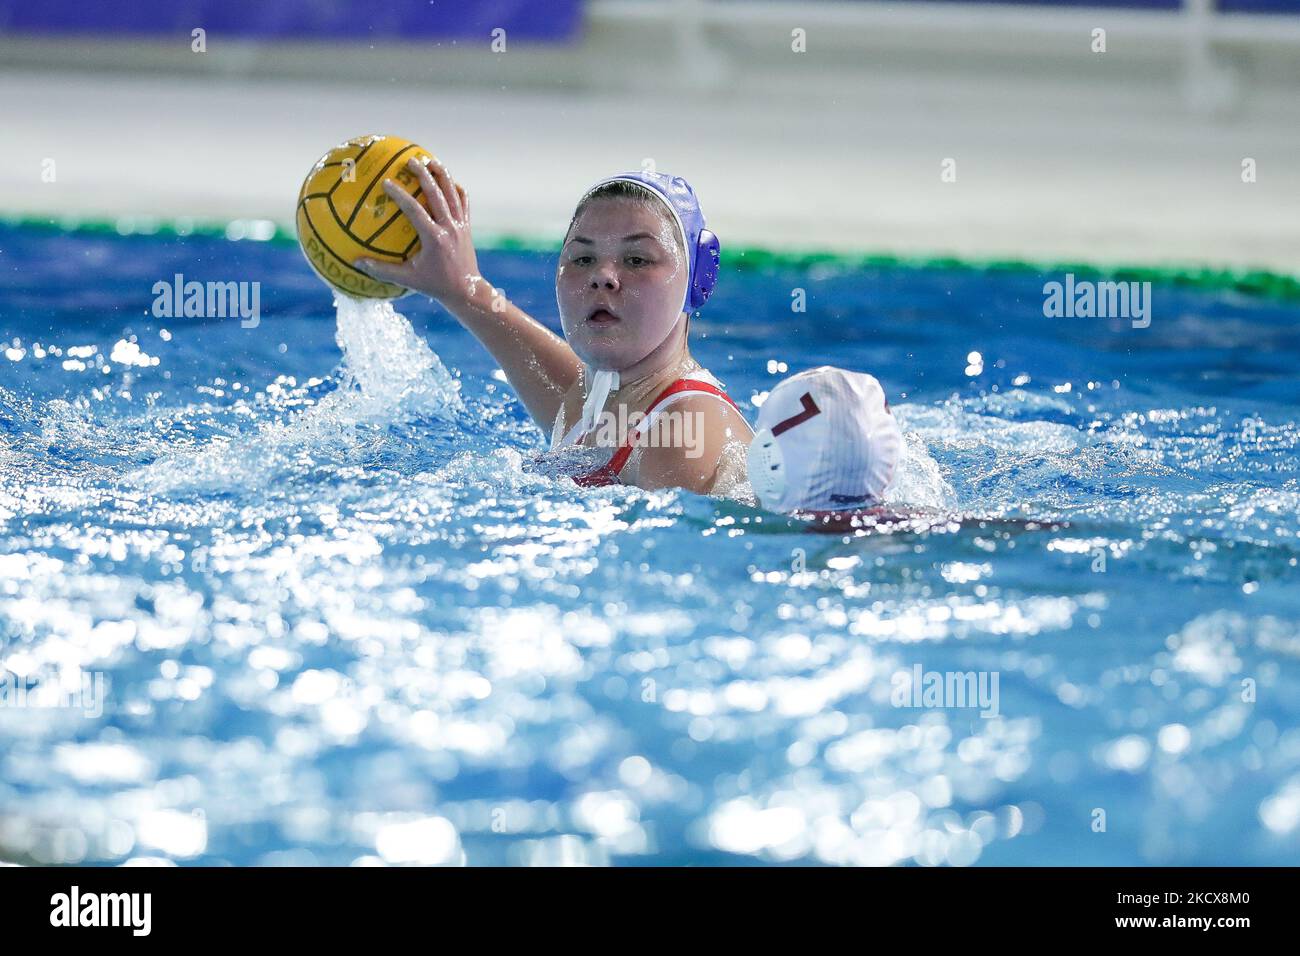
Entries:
{"x":705,"y":272}
{"x":766,"y":467}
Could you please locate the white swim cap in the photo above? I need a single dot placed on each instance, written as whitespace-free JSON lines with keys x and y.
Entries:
{"x":826,"y":441}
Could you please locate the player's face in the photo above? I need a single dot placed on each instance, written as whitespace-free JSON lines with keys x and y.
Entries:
{"x":620,"y":282}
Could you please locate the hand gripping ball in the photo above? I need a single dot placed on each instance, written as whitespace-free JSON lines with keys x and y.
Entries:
{"x":344,"y":213}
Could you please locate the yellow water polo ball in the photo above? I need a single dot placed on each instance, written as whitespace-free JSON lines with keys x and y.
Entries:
{"x":344,"y":213}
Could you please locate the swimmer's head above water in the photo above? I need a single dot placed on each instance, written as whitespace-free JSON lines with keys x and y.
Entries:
{"x":636,"y":260}
{"x":826,"y":442}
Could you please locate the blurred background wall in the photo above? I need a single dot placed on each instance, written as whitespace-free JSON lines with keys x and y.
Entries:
{"x":931,"y":128}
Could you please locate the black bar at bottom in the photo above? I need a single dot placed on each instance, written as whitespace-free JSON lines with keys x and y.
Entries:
{"x":331,"y":906}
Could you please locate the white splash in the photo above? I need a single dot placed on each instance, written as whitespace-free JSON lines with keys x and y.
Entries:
{"x":392,"y":369}
{"x":388,"y":374}
{"x":917,"y":479}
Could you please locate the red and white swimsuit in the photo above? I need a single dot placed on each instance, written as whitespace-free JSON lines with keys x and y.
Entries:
{"x":698,"y":382}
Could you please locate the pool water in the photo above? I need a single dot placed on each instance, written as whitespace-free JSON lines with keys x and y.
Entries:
{"x":339,"y":615}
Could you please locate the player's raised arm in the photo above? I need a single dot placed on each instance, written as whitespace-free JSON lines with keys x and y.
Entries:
{"x":539,"y":365}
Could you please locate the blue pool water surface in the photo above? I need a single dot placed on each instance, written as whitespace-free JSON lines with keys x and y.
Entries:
{"x":339,"y":616}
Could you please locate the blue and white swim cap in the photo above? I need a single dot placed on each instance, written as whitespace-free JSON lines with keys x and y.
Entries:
{"x":700,"y":244}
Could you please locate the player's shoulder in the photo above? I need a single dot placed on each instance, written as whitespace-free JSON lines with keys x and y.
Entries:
{"x":712,"y":408}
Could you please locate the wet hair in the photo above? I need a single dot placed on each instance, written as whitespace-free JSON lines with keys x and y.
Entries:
{"x":634,"y":192}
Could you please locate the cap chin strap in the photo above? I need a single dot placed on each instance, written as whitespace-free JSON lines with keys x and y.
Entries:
{"x":602,"y":383}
